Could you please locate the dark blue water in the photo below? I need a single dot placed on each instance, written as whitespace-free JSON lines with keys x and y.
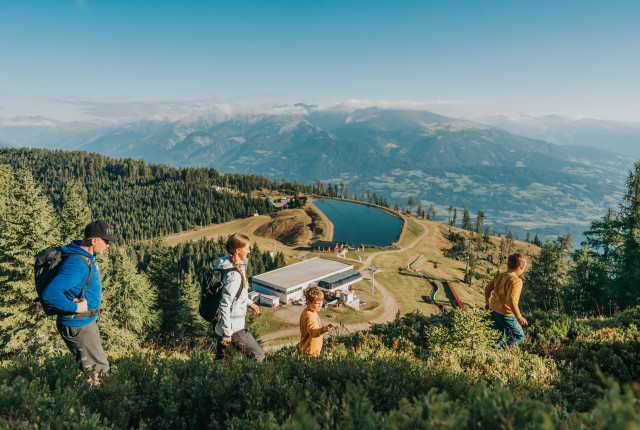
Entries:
{"x":359,"y":224}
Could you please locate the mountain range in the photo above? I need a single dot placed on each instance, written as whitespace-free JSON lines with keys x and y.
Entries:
{"x":530,"y":184}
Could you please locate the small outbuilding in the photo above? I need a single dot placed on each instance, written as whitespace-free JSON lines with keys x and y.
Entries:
{"x":269,"y":300}
{"x":329,"y":246}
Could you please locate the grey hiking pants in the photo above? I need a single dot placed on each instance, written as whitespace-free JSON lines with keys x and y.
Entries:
{"x":84,"y":344}
{"x":244,"y":342}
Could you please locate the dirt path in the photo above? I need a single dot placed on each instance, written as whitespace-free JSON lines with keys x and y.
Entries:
{"x":389,"y":303}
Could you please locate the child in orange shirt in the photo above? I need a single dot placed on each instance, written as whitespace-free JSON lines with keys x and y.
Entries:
{"x":502,"y":295}
{"x":311,"y":330}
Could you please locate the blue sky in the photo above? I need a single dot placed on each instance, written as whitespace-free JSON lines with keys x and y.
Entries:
{"x":78,"y":60}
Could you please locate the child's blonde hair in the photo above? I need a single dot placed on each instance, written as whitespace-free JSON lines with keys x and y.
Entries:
{"x":313,"y":294}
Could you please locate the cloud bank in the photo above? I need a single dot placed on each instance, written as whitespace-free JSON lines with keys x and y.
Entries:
{"x":181,"y":110}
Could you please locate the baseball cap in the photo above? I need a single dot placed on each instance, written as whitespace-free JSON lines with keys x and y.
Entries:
{"x":99,"y":229}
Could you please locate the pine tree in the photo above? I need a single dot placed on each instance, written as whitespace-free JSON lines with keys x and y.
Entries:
{"x":129,"y":307}
{"x":455,"y":217}
{"x":412,"y":203}
{"x":29,"y":225}
{"x":470,"y":272}
{"x":6,"y":179}
{"x":466,"y":220}
{"x":487,"y":236}
{"x":588,"y":286}
{"x":194,"y":325}
{"x":255,"y":265}
{"x":629,"y":219}
{"x":546,"y":277}
{"x":162,"y":273}
{"x":279,"y":261}
{"x":75,"y":213}
{"x":537,"y":242}
{"x":480,"y":221}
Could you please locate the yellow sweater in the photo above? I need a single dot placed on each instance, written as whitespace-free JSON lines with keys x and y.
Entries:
{"x":311,"y":332}
{"x":502,"y":294}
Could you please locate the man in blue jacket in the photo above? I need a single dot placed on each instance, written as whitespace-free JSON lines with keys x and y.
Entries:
{"x":79,"y":329}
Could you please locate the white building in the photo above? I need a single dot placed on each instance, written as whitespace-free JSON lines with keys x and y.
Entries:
{"x":288,"y":283}
{"x":269,"y":300}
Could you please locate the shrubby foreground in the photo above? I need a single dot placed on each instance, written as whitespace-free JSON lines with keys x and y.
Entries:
{"x":416,"y":372}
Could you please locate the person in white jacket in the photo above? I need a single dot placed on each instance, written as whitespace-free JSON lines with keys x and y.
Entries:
{"x":230,"y":329}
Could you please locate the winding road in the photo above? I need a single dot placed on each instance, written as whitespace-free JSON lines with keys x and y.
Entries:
{"x":389,"y":303}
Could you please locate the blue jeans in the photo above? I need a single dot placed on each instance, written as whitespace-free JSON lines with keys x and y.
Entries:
{"x":510,"y":328}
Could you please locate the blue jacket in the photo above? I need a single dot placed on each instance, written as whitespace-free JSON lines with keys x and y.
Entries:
{"x":68,"y":282}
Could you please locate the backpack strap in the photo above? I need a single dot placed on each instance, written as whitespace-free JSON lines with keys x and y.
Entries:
{"x":237,"y":296}
{"x":224,"y":272}
{"x":91,"y":312}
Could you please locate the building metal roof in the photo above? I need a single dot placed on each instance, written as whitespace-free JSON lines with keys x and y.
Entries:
{"x":340,"y":279}
{"x":305,"y":271}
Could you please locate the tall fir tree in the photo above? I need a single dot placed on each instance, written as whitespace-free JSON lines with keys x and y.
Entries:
{"x":412,"y":203}
{"x":162,"y":272}
{"x":255,"y":264}
{"x":480,"y":221}
{"x":194,"y":326}
{"x":466,"y":220}
{"x":605,"y":237}
{"x":6,"y":179}
{"x":537,"y":242}
{"x":75,"y":213}
{"x":129,"y":305}
{"x":588,"y":286}
{"x":279,"y":261}
{"x":29,"y":225}
{"x":629,"y":274}
{"x":546,"y":277}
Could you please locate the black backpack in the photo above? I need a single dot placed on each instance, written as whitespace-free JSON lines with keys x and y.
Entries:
{"x":45,"y":269}
{"x":211,"y":292}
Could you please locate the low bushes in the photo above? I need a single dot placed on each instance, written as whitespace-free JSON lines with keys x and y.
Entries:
{"x":395,"y":376}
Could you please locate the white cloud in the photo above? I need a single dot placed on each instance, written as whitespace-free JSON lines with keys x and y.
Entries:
{"x":178,"y":110}
{"x":27,"y":121}
{"x":455,"y":109}
{"x":173,"y":110}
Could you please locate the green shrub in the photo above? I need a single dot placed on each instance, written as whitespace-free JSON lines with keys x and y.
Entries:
{"x":397,"y":376}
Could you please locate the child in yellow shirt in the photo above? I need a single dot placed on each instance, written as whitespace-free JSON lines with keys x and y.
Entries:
{"x":311,"y":330}
{"x":502,"y":295}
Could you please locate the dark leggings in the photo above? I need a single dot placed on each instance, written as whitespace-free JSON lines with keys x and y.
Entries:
{"x":242,"y":341}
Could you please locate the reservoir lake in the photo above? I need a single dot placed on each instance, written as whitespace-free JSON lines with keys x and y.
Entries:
{"x":359,"y":224}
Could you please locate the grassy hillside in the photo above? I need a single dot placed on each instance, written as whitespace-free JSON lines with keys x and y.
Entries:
{"x":418,"y":237}
{"x":416,"y":372}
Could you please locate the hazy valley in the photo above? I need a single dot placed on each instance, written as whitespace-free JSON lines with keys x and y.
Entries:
{"x":528,"y":184}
